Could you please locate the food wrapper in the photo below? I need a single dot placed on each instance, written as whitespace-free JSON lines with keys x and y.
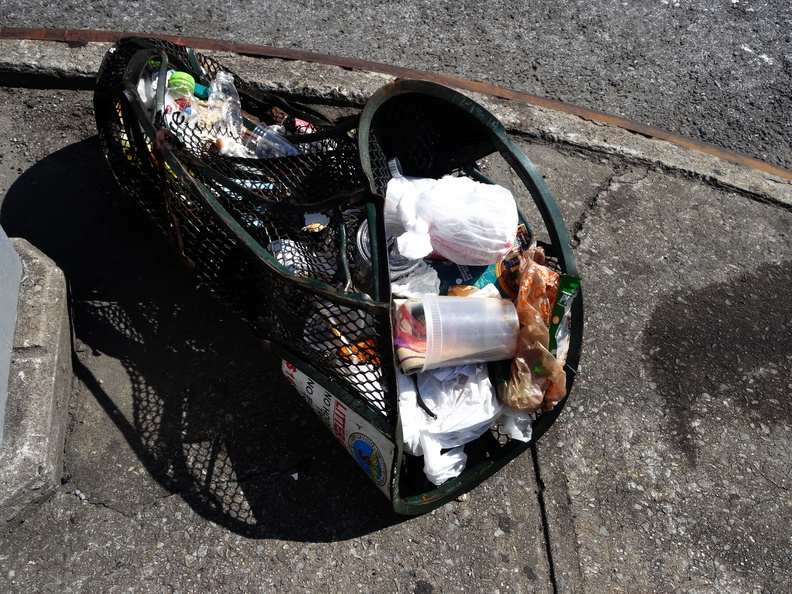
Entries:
{"x":561,"y":317}
{"x":409,"y":334}
{"x":537,"y":289}
{"x":537,"y":379}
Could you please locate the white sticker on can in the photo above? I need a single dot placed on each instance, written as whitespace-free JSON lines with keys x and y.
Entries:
{"x":372,"y":450}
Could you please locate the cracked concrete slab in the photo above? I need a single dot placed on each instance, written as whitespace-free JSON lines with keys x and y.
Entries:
{"x":190,"y":464}
{"x":671,"y":468}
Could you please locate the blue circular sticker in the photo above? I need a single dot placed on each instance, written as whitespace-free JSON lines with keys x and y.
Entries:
{"x":368,"y":456}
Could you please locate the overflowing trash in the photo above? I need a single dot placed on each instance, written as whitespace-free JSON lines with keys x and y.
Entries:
{"x":212,"y":113}
{"x":413,"y":307}
{"x":443,"y":342}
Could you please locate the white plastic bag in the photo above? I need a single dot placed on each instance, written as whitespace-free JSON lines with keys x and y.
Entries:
{"x":401,"y":216}
{"x":460,"y":219}
{"x":516,"y":424}
{"x":465,"y":406}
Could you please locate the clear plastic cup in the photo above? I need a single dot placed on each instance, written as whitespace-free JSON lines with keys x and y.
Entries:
{"x":461,"y":330}
{"x":399,"y":267}
{"x":266,"y":144}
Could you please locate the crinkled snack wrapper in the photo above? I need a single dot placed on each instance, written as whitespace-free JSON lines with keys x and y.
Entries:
{"x":537,"y":379}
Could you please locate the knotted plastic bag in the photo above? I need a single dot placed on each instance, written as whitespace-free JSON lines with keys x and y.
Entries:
{"x":457,"y":218}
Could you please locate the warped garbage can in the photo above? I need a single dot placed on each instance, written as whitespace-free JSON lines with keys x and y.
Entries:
{"x":290,"y":232}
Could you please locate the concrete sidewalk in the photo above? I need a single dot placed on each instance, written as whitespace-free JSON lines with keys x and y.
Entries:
{"x":190,"y":465}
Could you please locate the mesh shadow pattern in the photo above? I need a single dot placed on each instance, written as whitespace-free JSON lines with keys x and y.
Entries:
{"x":242,"y":224}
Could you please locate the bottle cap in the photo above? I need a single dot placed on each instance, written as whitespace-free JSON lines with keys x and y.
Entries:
{"x":182,"y":80}
{"x":201,"y":91}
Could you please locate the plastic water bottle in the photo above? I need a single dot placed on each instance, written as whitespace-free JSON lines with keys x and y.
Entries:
{"x":181,"y":108}
{"x":224,"y":106}
{"x":267,"y":144}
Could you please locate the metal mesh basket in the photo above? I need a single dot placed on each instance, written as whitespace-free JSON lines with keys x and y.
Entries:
{"x":278,"y":239}
{"x":434,"y":131}
{"x":243,"y":224}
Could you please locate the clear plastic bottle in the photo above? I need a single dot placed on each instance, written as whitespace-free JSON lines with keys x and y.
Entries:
{"x":267,"y":144}
{"x":181,"y":107}
{"x":224,"y":107}
{"x":147,"y":89}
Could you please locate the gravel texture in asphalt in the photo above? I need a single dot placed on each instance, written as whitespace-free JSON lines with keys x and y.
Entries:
{"x":715,"y":70}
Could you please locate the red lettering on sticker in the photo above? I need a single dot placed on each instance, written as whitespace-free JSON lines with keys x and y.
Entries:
{"x":339,"y":420}
{"x":289,"y":371}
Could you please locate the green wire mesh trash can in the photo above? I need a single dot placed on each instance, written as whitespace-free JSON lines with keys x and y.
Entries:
{"x":276,"y":239}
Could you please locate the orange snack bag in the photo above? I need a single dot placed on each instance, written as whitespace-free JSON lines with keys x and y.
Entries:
{"x":537,"y":380}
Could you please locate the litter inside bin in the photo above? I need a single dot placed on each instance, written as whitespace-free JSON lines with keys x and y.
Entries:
{"x":438,"y":417}
{"x":463,"y":406}
{"x":213,"y":114}
{"x":537,"y":379}
{"x":436,"y":331}
{"x":266,"y":217}
{"x":403,"y":271}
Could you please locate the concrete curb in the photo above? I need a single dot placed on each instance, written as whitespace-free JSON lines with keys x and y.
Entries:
{"x":10,"y":277}
{"x":78,"y":64}
{"x":40,"y":383}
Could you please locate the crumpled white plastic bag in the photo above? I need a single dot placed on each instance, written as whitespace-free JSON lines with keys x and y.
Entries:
{"x":465,"y":404}
{"x":516,"y":424}
{"x":465,"y":221}
{"x":401,"y":212}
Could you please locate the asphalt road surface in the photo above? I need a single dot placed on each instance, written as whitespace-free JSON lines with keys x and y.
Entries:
{"x":715,"y":70}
